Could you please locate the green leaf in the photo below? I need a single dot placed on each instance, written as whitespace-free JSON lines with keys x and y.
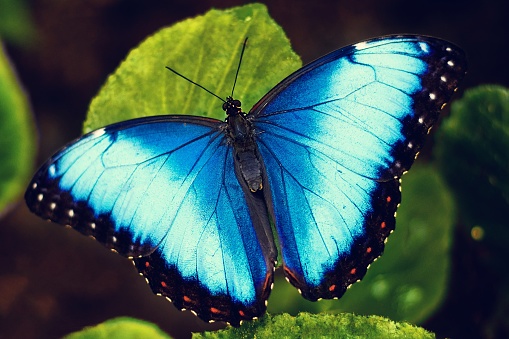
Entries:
{"x":473,"y":154}
{"x":408,"y":281}
{"x":306,"y":325}
{"x":15,"y":22}
{"x":205,"y":49}
{"x":121,"y":328}
{"x":17,"y":136}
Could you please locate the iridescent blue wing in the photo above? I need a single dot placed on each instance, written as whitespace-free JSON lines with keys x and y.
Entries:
{"x":163,"y":191}
{"x":335,"y":138}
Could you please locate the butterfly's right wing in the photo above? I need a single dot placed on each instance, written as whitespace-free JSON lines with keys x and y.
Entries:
{"x":335,"y":138}
{"x":163,"y":191}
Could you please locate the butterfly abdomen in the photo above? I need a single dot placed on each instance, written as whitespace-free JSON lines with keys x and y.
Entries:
{"x":250,"y":168}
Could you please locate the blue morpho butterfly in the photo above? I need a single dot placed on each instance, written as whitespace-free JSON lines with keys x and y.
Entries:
{"x":191,"y":199}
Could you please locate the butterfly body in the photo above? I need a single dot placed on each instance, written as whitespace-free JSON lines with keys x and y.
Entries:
{"x":241,"y":137}
{"x":191,"y":200}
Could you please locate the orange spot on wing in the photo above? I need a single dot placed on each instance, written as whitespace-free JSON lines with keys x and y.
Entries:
{"x":186,"y":299}
{"x":332,"y":288}
{"x":353,"y":271}
{"x":214,"y":310}
{"x":147,"y":264}
{"x":382,"y":225}
{"x":368,"y":250}
{"x":242,"y":314}
{"x":389,"y":198}
{"x":163,"y":284}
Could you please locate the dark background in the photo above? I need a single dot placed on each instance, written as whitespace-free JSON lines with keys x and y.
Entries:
{"x":54,"y":281}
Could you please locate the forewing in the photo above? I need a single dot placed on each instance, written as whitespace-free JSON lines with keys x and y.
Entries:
{"x":335,"y":137}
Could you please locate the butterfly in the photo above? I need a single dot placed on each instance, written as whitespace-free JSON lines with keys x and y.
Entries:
{"x":192,"y":200}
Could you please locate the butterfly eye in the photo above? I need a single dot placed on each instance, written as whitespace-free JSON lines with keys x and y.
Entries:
{"x":236,"y":103}
{"x":225,"y":106}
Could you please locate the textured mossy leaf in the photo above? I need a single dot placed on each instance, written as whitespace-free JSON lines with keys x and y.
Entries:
{"x":121,"y":328}
{"x":17,"y":135}
{"x":473,"y":155}
{"x":205,"y":49}
{"x":408,"y":281}
{"x":306,"y":325}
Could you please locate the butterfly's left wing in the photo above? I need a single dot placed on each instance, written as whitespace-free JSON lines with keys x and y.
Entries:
{"x":335,"y":138}
{"x":163,"y":191}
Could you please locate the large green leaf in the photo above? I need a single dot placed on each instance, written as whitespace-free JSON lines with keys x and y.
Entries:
{"x":408,"y":281}
{"x":17,"y":135}
{"x":205,"y":49}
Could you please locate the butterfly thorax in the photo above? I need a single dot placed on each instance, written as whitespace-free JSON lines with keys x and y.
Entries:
{"x":240,"y":134}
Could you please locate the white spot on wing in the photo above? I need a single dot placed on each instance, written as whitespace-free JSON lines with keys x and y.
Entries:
{"x":98,"y":132}
{"x":424,"y":47}
{"x":450,"y":63}
{"x":40,"y":197}
{"x":52,"y":170}
{"x":360,"y":45}
{"x":432,"y":96}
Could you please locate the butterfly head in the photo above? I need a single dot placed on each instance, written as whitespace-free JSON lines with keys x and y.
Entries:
{"x":232,"y":106}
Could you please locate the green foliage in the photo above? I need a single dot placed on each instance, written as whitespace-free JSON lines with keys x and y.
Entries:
{"x":473,"y":153}
{"x":205,"y":49}
{"x":15,"y":23}
{"x":121,"y":328}
{"x":307,"y":325}
{"x":16,"y":136}
{"x":409,"y":280}
{"x":304,"y":325}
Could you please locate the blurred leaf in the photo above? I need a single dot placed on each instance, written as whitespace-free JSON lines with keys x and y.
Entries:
{"x":15,"y":22}
{"x":408,"y":281}
{"x":306,"y":325}
{"x":473,"y":154}
{"x":122,"y":328}
{"x":17,"y":135}
{"x":205,"y":49}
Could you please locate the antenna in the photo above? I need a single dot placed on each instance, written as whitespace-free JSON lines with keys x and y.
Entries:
{"x":197,"y":84}
{"x":194,"y":83}
{"x":238,"y":67}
